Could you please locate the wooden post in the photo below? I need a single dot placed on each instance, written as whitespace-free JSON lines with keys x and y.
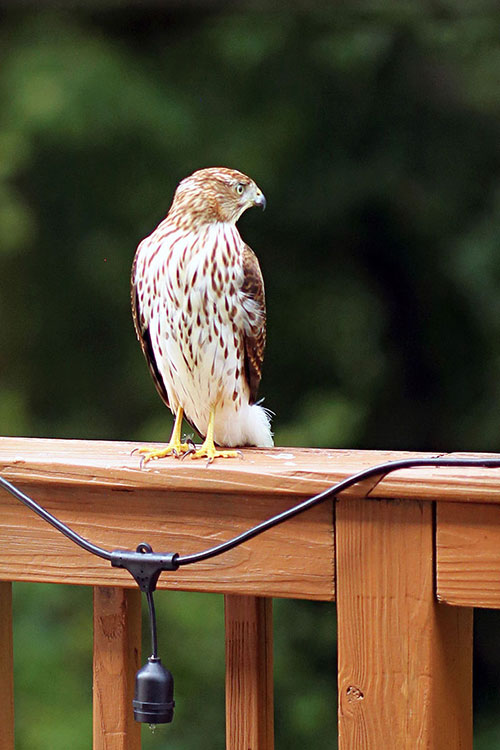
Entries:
{"x":405,"y":661}
{"x":249,"y":673}
{"x":6,"y":668}
{"x":117,"y":653}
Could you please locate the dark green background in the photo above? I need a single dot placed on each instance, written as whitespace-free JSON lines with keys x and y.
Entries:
{"x":373,"y":128}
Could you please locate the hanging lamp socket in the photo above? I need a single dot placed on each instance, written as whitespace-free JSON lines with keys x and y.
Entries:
{"x":154,"y":693}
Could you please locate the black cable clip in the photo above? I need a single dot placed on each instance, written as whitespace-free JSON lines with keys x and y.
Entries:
{"x":144,"y":565}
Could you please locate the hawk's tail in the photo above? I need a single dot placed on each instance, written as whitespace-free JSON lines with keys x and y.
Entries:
{"x":250,"y":425}
{"x":259,"y":426}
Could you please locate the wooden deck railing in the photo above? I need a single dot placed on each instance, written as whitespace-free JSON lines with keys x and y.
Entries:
{"x":406,"y":558}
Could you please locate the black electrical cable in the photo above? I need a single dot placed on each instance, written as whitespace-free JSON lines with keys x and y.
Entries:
{"x":152,"y":622}
{"x":372,"y":471}
{"x":174,"y":561}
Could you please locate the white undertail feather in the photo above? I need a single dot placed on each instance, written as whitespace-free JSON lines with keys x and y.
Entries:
{"x":250,"y":425}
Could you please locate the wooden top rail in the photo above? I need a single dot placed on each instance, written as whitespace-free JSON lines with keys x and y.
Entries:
{"x":282,"y":472}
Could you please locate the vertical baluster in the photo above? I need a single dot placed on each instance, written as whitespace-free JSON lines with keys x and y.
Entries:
{"x":6,"y":668}
{"x":117,"y":653}
{"x":405,"y":661}
{"x":249,"y":673}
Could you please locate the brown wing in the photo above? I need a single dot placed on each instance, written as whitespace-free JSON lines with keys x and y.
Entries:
{"x":144,"y":337}
{"x":255,"y":337}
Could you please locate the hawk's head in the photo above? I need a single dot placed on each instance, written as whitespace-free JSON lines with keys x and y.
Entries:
{"x":216,"y":194}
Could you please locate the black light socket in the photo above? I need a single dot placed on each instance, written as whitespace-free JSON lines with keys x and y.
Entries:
{"x":154,"y":693}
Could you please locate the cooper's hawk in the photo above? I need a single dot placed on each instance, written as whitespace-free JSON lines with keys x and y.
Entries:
{"x":199,"y":313}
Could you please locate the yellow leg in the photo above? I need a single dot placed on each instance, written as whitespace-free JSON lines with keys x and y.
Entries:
{"x":208,"y":449}
{"x":174,"y":446}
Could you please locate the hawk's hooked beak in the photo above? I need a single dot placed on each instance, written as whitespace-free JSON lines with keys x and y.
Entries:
{"x":260,"y":200}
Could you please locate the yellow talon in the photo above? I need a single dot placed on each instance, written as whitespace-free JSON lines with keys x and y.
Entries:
{"x":171,"y":449}
{"x":174,"y":446}
{"x":208,"y":449}
{"x":211,"y":453}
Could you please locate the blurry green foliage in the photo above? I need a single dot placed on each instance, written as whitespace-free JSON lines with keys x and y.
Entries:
{"x":373,"y":129}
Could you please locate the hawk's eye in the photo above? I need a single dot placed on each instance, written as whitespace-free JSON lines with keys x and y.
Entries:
{"x":240,"y":188}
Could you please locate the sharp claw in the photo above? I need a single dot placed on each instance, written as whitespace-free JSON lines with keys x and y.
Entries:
{"x":143,"y":461}
{"x":189,"y":452}
{"x":134,"y":451}
{"x":192,"y":449}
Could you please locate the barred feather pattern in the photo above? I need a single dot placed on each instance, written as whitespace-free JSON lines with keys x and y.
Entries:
{"x":199,"y":308}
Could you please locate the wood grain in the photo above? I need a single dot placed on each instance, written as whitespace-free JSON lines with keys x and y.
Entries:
{"x":292,"y":560}
{"x":6,"y":669}
{"x":281,"y":472}
{"x":468,"y":554}
{"x":117,"y":654}
{"x":249,"y":673}
{"x":405,"y":662}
